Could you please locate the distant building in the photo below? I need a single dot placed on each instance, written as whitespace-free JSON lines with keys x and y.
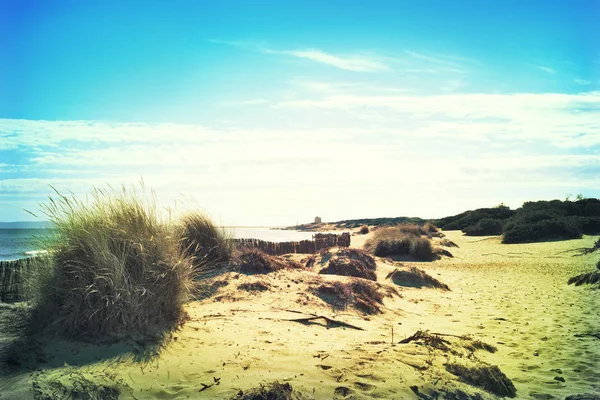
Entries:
{"x":317,"y":220}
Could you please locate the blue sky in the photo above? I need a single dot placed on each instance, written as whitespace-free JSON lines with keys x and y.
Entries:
{"x":273,"y":112}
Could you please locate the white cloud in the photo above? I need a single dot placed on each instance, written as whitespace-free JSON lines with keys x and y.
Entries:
{"x":383,"y":144}
{"x":582,"y":82}
{"x":547,"y":70}
{"x":349,"y":63}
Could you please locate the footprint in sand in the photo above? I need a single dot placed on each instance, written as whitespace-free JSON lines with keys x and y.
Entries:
{"x":342,"y":392}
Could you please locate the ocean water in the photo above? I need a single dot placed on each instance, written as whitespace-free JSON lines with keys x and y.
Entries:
{"x":21,"y":243}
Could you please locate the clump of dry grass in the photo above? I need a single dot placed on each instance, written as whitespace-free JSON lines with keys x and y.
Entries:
{"x":359,"y":294}
{"x":254,"y":261}
{"x":447,"y":243}
{"x":430,"y":228}
{"x":402,"y":240}
{"x":257,"y":286}
{"x":473,"y":345}
{"x":351,"y":262}
{"x":414,"y":277}
{"x":363,"y":230}
{"x":117,"y":270}
{"x":487,"y":377}
{"x":271,"y":391}
{"x":202,"y":241}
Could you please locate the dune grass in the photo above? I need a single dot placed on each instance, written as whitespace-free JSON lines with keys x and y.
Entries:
{"x":203,"y":241}
{"x":402,"y":240}
{"x":116,"y":268}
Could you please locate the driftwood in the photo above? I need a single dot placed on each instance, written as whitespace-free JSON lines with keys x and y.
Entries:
{"x":330,"y":321}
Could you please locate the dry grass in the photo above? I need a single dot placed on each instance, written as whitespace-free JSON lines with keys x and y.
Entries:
{"x":363,"y":230}
{"x":430,"y":228}
{"x":253,"y":287}
{"x":203,"y":242}
{"x":447,"y":243}
{"x":117,"y":268}
{"x":351,"y":262}
{"x":254,"y":261}
{"x":359,"y":294}
{"x":404,"y":240}
{"x":414,"y":277}
{"x":487,"y":377}
{"x":271,"y":391}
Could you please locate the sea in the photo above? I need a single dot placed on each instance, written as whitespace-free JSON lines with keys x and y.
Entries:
{"x":23,"y":243}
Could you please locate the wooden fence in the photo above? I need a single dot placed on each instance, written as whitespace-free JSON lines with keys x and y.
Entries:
{"x":12,"y":284}
{"x":319,"y":242}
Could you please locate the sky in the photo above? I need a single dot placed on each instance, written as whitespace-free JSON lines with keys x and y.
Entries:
{"x":274,"y":112}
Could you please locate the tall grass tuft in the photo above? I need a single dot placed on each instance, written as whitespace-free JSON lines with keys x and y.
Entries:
{"x":203,"y":241}
{"x":117,"y":270}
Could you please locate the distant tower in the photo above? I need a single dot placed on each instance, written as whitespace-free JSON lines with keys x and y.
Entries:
{"x":317,"y":220}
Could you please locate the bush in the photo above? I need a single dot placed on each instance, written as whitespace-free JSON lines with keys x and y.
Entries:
{"x":117,"y":269}
{"x":560,"y":229}
{"x":363,"y":230}
{"x":472,"y":217}
{"x":202,"y":241}
{"x":485,"y":227}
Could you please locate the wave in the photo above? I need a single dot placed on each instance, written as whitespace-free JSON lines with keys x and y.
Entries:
{"x":34,"y":253}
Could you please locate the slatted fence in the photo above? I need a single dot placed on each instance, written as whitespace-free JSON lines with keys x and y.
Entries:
{"x":12,"y":284}
{"x":319,"y":242}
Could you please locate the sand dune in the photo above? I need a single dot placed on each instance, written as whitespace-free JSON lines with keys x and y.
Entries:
{"x":512,"y":297}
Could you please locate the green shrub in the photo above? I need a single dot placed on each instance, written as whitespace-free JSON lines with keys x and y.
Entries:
{"x":472,"y":217}
{"x":485,"y":227}
{"x":117,"y":270}
{"x":557,"y":229}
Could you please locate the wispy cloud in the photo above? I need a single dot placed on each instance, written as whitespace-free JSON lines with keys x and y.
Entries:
{"x":582,"y":82}
{"x":547,"y":70}
{"x":353,"y":62}
{"x":442,"y":59}
{"x":349,"y":63}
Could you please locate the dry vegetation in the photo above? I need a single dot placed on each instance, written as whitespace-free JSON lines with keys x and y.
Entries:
{"x":254,"y":261}
{"x":202,"y":241}
{"x":350,"y":262}
{"x":359,"y":294}
{"x":271,"y":391}
{"x":414,"y":277}
{"x":487,"y":377}
{"x":409,"y":240}
{"x":116,"y":269}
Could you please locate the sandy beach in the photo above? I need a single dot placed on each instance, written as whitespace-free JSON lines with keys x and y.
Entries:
{"x":513,"y":297}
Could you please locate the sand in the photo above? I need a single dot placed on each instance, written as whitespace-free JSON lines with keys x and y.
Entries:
{"x":514,"y":297}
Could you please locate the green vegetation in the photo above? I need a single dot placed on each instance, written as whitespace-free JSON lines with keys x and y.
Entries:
{"x":533,"y":222}
{"x":115,"y":268}
{"x":472,"y":217}
{"x":485,"y":227}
